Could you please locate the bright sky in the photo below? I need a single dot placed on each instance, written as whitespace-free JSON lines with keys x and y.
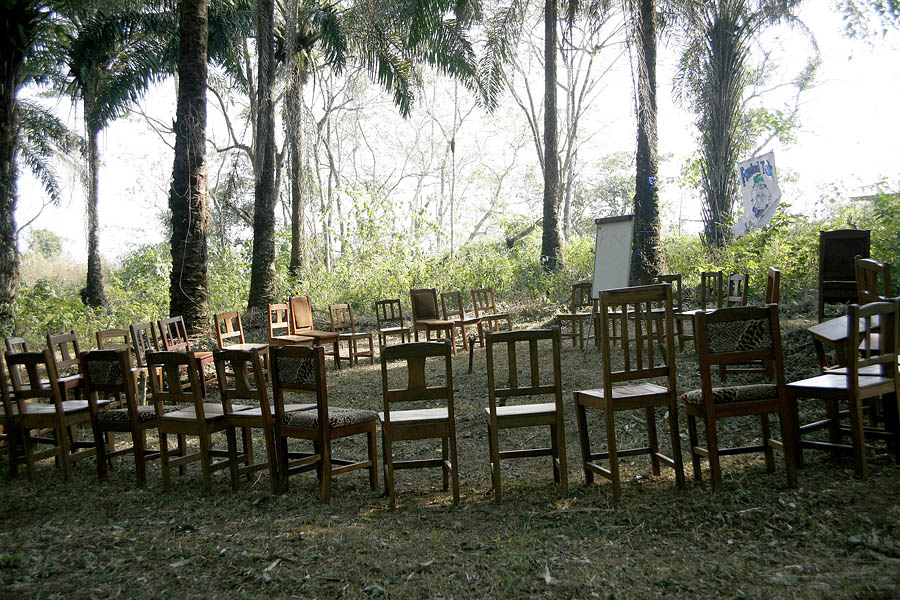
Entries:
{"x":849,"y":133}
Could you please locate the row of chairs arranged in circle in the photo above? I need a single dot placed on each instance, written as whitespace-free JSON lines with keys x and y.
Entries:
{"x":415,"y":407}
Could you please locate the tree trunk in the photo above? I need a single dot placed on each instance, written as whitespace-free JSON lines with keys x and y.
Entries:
{"x":550,"y":247}
{"x":93,"y":294}
{"x":644,"y":260}
{"x":294,"y":105}
{"x":262,"y":270}
{"x":189,"y":196}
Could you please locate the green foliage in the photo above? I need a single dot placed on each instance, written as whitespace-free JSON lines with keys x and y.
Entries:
{"x":45,"y":242}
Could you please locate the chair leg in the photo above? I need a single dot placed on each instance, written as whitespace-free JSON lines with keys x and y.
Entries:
{"x":64,"y":449}
{"x":205,"y":472}
{"x":232,"y":457}
{"x":789,"y":444}
{"x":164,"y":460}
{"x":101,"y":452}
{"x":493,"y":443}
{"x":766,"y":436}
{"x":139,"y":443}
{"x":694,"y":441}
{"x":581,"y":420}
{"x":248,"y":449}
{"x":858,"y":438}
{"x":554,"y":453}
{"x":182,"y":451}
{"x":325,"y":463}
{"x":282,"y":453}
{"x":373,"y":457}
{"x":676,"y":444}
{"x":454,"y":466}
{"x":445,"y":471}
{"x":271,"y":458}
{"x":387,"y":450}
{"x":612,"y":449}
{"x":654,"y":442}
{"x":712,"y":447}
{"x":559,"y":435}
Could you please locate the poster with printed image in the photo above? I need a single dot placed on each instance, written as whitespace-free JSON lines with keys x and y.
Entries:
{"x":760,"y":192}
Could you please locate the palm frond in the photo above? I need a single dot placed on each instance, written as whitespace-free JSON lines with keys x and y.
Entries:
{"x":502,"y":35}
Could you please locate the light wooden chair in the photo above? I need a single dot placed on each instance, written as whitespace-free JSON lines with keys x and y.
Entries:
{"x":433,"y":419}
{"x":580,"y":310}
{"x":302,"y":324}
{"x":541,"y":385}
{"x":632,"y":388}
{"x":452,"y":309}
{"x":873,"y":280}
{"x":344,"y":324}
{"x":485,"y":308}
{"x":737,"y":290}
{"x":773,"y":286}
{"x":711,"y":296}
{"x":230,"y":336}
{"x":143,"y":338}
{"x":389,"y":319}
{"x":280,"y":328}
{"x":173,"y":338}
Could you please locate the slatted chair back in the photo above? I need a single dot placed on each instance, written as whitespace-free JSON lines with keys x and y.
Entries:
{"x":773,"y":286}
{"x":673,"y":280}
{"x":30,"y":385}
{"x":874,"y":319}
{"x":7,"y":419}
{"x":424,"y":304}
{"x":279,"y":320}
{"x":581,"y":301}
{"x":16,"y":344}
{"x":300,"y":369}
{"x":241,"y":376}
{"x":301,"y":314}
{"x":647,"y":352}
{"x":873,"y":280}
{"x":711,"y":291}
{"x":389,"y":313}
{"x":483,"y":302}
{"x":64,"y":352}
{"x":229,"y":329}
{"x":174,"y":380}
{"x":417,"y":388}
{"x":737,"y":336}
{"x":173,"y":334}
{"x":738,"y":288}
{"x":538,"y":381}
{"x":452,"y":305}
{"x":143,"y":339}
{"x":341,"y":318}
{"x":113,"y":339}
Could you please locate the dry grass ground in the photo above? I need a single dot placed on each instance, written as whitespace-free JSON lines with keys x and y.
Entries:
{"x":833,"y":536}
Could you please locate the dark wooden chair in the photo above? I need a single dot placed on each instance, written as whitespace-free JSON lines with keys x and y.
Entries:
{"x":580,"y":310}
{"x":192,"y":416}
{"x":425,"y":316}
{"x":837,"y":274}
{"x":15,"y":345}
{"x":773,"y":286}
{"x":873,"y":280}
{"x":711,"y":296}
{"x":739,"y":335}
{"x":242,"y":378}
{"x":12,"y":445}
{"x":434,"y":418}
{"x":173,"y":338}
{"x":302,"y":324}
{"x":673,"y":280}
{"x":452,"y":309}
{"x":507,"y":416}
{"x":737,"y":290}
{"x":280,"y":328}
{"x":485,"y":308}
{"x":107,"y":373}
{"x":63,"y":353}
{"x":389,"y":320}
{"x":344,"y":324}
{"x":632,"y":388}
{"x":302,"y":370}
{"x":867,"y":376}
{"x":120,"y":339}
{"x":39,"y":407}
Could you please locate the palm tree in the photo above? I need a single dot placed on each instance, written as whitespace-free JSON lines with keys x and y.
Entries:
{"x":551,"y":255}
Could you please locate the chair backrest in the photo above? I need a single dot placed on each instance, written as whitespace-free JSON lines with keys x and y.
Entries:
{"x":166,"y":371}
{"x":738,"y":335}
{"x":865,"y":323}
{"x":229,"y":329}
{"x":6,"y":398}
{"x":837,"y":251}
{"x":539,"y":383}
{"x":738,"y":288}
{"x":452,"y":305}
{"x":389,"y":313}
{"x":16,"y":344}
{"x":64,"y":352}
{"x":299,"y":369}
{"x":868,"y":274}
{"x":143,"y":338}
{"x":773,"y":286}
{"x":341,"y":317}
{"x":424,"y":304}
{"x":483,"y":302}
{"x":242,"y":377}
{"x":108,"y":372}
{"x":647,"y":353}
{"x":417,"y":388}
{"x":29,"y":385}
{"x":675,"y":281}
{"x":173,"y":334}
{"x":711,"y":289}
{"x":114,"y":339}
{"x":301,"y":314}
{"x":279,"y":320}
{"x":581,"y":297}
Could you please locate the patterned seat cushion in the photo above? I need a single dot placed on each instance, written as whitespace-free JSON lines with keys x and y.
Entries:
{"x":739,"y":336}
{"x":145,"y":413}
{"x":104,"y":372}
{"x":337,"y":417}
{"x":739,"y":393}
{"x":293,"y":370}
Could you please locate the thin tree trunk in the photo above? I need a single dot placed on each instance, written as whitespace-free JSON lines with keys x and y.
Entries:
{"x":550,"y":245}
{"x":189,"y":196}
{"x":644,"y":260}
{"x":262,"y":270}
{"x":93,"y":294}
{"x":294,"y":107}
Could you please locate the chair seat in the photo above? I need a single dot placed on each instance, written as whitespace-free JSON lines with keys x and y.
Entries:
{"x":355,"y":335}
{"x":688,"y":314}
{"x":411,"y":417}
{"x":517,"y":410}
{"x":321,"y":337}
{"x":394,"y":329}
{"x":31,"y":408}
{"x":433,"y":323}
{"x":212,"y":412}
{"x":842,"y":371}
{"x":627,"y":391}
{"x":245,"y":347}
{"x":830,"y":382}
{"x":734,"y":394}
{"x":73,"y":406}
{"x":257,"y":412}
{"x":284,"y":340}
{"x":337,"y":417}
{"x":120,"y":415}
{"x":467,"y":321}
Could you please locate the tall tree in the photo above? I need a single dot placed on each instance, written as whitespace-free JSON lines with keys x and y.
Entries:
{"x":551,"y":255}
{"x":189,"y":196}
{"x":296,"y":68}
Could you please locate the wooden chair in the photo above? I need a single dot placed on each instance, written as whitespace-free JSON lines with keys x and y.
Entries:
{"x":302,"y":370}
{"x":173,"y":337}
{"x":143,"y":338}
{"x":867,"y":376}
{"x":10,"y":437}
{"x":242,"y":377}
{"x":773,"y":286}
{"x":436,"y":420}
{"x":425,"y":316}
{"x":580,"y":310}
{"x":343,"y":323}
{"x":119,"y":339}
{"x":39,"y":407}
{"x":659,"y":312}
{"x":643,"y":363}
{"x":773,"y":295}
{"x":452,"y":309}
{"x":837,"y":275}
{"x":109,"y":372}
{"x":485,"y":308}
{"x":302,"y":324}
{"x":389,"y":319}
{"x":15,"y":345}
{"x":230,"y":336}
{"x":280,"y":328}
{"x":529,"y":414}
{"x":711,"y":295}
{"x":192,"y":416}
{"x":873,"y":280}
{"x":63,"y":354}
{"x":737,"y":290}
{"x":739,"y":335}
